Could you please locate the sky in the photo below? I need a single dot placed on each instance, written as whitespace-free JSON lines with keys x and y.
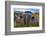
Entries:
{"x":33,"y":10}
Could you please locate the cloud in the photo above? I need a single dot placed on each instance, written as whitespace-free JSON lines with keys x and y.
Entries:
{"x":33,"y":10}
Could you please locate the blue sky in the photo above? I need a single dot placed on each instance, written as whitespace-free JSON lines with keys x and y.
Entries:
{"x":33,"y":10}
